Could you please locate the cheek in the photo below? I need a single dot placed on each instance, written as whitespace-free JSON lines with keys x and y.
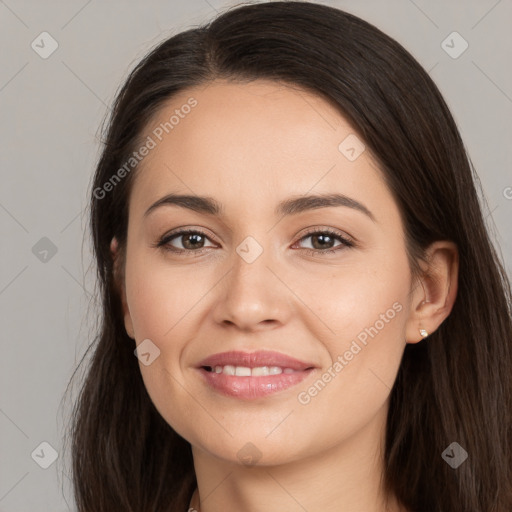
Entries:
{"x":369,"y":291}
{"x":365,"y":311}
{"x":159,"y":299}
{"x":365,"y":355}
{"x":161,"y":307}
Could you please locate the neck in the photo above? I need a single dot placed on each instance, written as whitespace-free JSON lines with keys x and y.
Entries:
{"x":347,"y":478}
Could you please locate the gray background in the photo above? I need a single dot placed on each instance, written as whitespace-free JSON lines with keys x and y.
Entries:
{"x":51,"y":111}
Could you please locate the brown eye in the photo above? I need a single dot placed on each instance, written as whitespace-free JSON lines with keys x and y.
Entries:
{"x":322,"y":240}
{"x":192,"y":241}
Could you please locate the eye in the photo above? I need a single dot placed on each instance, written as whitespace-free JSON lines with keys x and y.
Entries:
{"x":192,"y":241}
{"x":322,"y":240}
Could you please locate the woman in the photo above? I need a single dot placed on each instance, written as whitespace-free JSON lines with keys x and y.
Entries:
{"x":289,"y":240}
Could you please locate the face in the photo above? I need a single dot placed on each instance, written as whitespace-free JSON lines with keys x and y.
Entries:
{"x":328,"y":286}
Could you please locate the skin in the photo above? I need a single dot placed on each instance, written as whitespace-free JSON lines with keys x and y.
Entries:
{"x":250,"y":146}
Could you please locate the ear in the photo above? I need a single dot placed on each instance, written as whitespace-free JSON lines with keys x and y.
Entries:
{"x":435,"y":292}
{"x":119,"y":278}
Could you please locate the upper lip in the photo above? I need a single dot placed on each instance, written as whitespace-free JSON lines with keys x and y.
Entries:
{"x":255,"y":359}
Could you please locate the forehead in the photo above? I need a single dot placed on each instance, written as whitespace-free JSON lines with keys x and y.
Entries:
{"x":245,"y":140}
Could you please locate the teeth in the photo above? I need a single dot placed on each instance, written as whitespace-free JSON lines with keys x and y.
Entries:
{"x":244,"y":371}
{"x":260,"y":371}
{"x":229,"y":370}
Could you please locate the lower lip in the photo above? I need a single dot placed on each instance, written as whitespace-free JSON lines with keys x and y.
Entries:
{"x":253,"y":387}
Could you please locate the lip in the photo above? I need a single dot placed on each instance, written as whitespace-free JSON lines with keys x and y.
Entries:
{"x":253,"y":387}
{"x":255,"y":359}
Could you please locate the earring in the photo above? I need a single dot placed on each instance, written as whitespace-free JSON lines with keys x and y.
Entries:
{"x":423,"y":333}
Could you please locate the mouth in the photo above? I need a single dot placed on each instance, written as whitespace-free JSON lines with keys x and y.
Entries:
{"x":246,"y":371}
{"x":253,"y":375}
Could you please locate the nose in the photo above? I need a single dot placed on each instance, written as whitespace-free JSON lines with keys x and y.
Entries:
{"x":251,"y":296}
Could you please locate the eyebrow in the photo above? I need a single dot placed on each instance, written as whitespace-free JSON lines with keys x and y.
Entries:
{"x":292,"y":206}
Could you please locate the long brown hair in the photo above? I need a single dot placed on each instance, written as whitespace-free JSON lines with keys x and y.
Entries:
{"x":455,"y":386}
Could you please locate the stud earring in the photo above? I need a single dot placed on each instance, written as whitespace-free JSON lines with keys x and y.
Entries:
{"x":423,"y":333}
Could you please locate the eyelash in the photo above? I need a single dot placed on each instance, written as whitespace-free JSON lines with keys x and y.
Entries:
{"x":164,"y":241}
